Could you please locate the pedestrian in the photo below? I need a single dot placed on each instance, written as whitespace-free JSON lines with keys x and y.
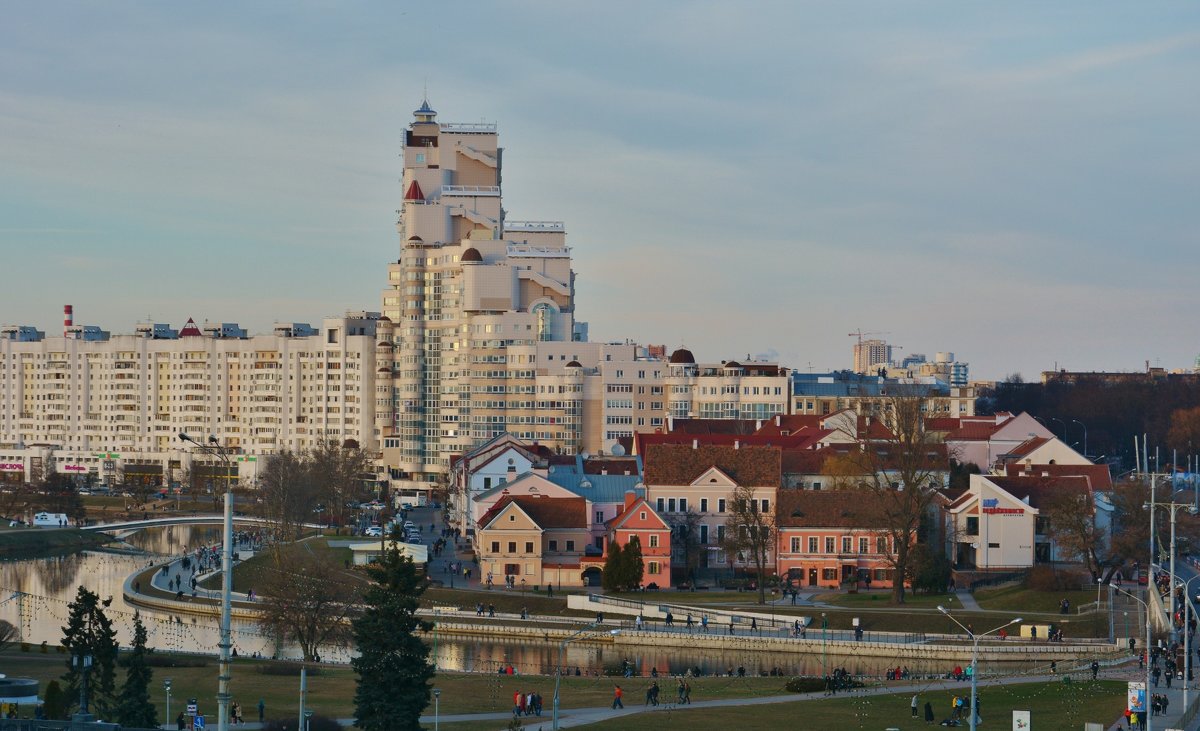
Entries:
{"x":914,"y":705}
{"x":753,"y":624}
{"x":617,"y":693}
{"x":928,"y":713}
{"x":1095,"y":667}
{"x":731,"y":626}
{"x":518,"y":699}
{"x":262,"y":709}
{"x":180,"y":723}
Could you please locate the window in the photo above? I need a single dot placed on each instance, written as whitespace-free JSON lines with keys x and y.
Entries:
{"x":796,"y":543}
{"x":829,"y":574}
{"x":703,"y":505}
{"x":881,"y":545}
{"x":972,"y":526}
{"x":512,"y":569}
{"x":487,"y":483}
{"x":671,"y":505}
{"x":495,"y":546}
{"x":720,"y":534}
{"x":599,"y":516}
{"x":652,"y":567}
{"x":570,"y":546}
{"x":658,"y":504}
{"x":703,"y":533}
{"x":883,"y":574}
{"x":766,"y":506}
{"x":845,"y":544}
{"x":642,"y":515}
{"x":512,"y":546}
{"x":554,"y":546}
{"x":654,"y":541}
{"x":683,"y":505}
{"x":816,"y":486}
{"x":863,"y":545}
{"x":829,"y":544}
{"x":812,"y":544}
{"x":721,"y":505}
{"x":528,"y":546}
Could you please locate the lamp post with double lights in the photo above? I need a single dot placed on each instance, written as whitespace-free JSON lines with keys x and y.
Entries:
{"x":975,"y":657}
{"x":437,"y":696}
{"x":1146,"y":609}
{"x":558,"y":675}
{"x":223,"y":697}
{"x":1174,"y":507}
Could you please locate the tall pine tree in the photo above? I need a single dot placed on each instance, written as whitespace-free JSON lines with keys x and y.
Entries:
{"x":612,"y":579}
{"x":89,"y":632}
{"x":632,"y":566}
{"x":392,"y":668}
{"x":133,"y":706}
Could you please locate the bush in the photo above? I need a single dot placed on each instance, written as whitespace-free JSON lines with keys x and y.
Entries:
{"x":316,"y":723}
{"x":1045,"y":578}
{"x":816,"y":685}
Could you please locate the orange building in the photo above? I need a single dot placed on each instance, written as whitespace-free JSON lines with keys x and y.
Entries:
{"x":829,"y":538}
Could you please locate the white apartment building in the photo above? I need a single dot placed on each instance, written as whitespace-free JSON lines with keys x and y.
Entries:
{"x":114,"y":407}
{"x":469,"y":285}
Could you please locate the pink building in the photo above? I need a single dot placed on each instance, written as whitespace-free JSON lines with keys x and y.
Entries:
{"x":637,"y":518}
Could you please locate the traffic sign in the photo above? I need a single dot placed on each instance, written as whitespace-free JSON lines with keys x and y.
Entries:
{"x":198,"y":723}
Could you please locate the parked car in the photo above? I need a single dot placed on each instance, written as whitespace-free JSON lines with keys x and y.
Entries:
{"x":374,"y":531}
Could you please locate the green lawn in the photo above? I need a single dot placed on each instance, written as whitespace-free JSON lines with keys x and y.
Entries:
{"x":1020,"y":599}
{"x":883,"y":598}
{"x":331,"y":689}
{"x":1054,"y":707}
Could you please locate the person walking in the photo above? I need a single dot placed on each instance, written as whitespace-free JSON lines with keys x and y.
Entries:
{"x":928,"y":713}
{"x":617,"y":693}
{"x":262,"y":709}
{"x":914,"y":705}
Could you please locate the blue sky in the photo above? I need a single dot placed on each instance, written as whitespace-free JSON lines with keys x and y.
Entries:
{"x":1018,"y":183}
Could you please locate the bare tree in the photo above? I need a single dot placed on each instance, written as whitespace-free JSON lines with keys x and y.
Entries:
{"x":900,"y":469}
{"x":339,"y":473}
{"x":308,"y":598}
{"x":288,"y":497}
{"x":750,"y":533}
{"x":1071,"y":520}
{"x":8,"y":633}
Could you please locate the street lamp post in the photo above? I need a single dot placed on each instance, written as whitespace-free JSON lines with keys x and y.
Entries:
{"x":167,"y":686}
{"x":824,"y":625}
{"x":1084,"y":427}
{"x":84,"y":663}
{"x":1187,"y":640}
{"x":1145,"y":608}
{"x":562,"y":646}
{"x":223,"y":697}
{"x":437,"y":694}
{"x":975,"y":657}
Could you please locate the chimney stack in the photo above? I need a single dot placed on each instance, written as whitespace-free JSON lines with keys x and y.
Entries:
{"x":68,"y":318}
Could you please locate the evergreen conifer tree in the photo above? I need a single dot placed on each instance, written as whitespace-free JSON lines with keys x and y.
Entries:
{"x":133,"y":706}
{"x":392,"y":668}
{"x":613,"y":567}
{"x":89,"y":632}
{"x":632,"y":566}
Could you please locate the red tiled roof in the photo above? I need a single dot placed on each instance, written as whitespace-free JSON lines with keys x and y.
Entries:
{"x":639,"y":504}
{"x":547,"y":512}
{"x":1038,"y":491}
{"x":973,"y":432}
{"x":675,"y":464}
{"x":825,"y":509}
{"x":1027,"y":447}
{"x":713,"y":426}
{"x":1099,"y":476}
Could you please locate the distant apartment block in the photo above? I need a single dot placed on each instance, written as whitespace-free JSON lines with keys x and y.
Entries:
{"x":113,"y":406}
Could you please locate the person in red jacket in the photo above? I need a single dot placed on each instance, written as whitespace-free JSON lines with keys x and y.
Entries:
{"x":617,"y":693}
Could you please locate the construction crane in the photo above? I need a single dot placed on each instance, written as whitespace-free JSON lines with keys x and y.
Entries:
{"x":859,"y":334}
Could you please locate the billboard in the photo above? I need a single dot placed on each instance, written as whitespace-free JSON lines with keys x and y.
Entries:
{"x":1136,"y":696}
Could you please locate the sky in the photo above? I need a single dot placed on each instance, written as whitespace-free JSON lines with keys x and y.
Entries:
{"x":1017,"y":183}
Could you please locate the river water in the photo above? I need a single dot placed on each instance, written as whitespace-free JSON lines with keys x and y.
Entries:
{"x":34,"y":594}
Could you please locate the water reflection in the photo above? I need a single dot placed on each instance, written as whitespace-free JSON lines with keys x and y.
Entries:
{"x":34,"y":594}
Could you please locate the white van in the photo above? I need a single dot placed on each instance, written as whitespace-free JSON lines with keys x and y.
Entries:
{"x":51,"y":520}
